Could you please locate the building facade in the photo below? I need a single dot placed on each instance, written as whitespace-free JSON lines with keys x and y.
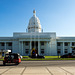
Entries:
{"x":46,"y":43}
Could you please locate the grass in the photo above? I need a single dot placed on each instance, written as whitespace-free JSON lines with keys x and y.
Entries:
{"x":27,"y":58}
{"x":46,"y":58}
{"x":49,"y":59}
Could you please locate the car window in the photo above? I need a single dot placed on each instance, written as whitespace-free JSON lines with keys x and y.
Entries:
{"x":6,"y":55}
{"x":12,"y":56}
{"x":15,"y":56}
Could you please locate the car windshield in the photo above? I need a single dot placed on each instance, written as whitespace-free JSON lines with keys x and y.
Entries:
{"x":13,"y":56}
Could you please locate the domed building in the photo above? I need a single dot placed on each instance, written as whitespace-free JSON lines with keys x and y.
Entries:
{"x":45,"y":43}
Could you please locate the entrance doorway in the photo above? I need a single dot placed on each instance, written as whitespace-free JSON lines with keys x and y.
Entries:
{"x":35,"y":46}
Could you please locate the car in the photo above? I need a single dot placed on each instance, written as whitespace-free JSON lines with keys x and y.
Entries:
{"x":36,"y":56}
{"x":39,"y":56}
{"x":12,"y":58}
{"x":69,"y":55}
{"x":21,"y":57}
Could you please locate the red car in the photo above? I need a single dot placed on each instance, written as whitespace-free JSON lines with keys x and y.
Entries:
{"x":12,"y":58}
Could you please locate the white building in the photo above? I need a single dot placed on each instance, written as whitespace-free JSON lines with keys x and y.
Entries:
{"x":45,"y":43}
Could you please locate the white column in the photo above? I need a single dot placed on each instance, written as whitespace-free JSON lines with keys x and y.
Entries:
{"x":70,"y":47}
{"x":5,"y":45}
{"x":22,"y":47}
{"x":63,"y":48}
{"x":19,"y":47}
{"x":39,"y":47}
{"x":47,"y":48}
{"x":35,"y":44}
{"x":30,"y":47}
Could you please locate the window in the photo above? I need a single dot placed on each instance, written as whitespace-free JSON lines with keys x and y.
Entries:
{"x":66,"y":51}
{"x":72,"y":51}
{"x":73,"y":48}
{"x":36,"y":27}
{"x":58,"y":44}
{"x":73,"y":44}
{"x":2,"y":44}
{"x":59,"y":51}
{"x":27,"y":51}
{"x":28,"y":28}
{"x":9,"y":44}
{"x":26,"y":43}
{"x":42,"y":51}
{"x":42,"y":43}
{"x":66,"y":44}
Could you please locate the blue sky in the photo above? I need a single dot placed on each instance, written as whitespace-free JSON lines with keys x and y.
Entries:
{"x":55,"y":16}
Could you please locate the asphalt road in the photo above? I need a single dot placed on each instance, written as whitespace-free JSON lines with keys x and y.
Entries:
{"x":42,"y":63}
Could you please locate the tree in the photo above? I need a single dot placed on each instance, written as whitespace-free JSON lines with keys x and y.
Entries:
{"x":73,"y":48}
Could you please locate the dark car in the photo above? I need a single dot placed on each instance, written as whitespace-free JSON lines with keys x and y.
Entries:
{"x":36,"y":56}
{"x":70,"y":55}
{"x":12,"y":58}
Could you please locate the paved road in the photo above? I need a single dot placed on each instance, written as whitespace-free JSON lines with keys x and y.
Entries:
{"x":39,"y":68}
{"x":43,"y":63}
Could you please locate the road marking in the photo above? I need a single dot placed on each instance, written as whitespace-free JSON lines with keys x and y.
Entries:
{"x":5,"y":71}
{"x":66,"y":71}
{"x":49,"y":71}
{"x":23,"y":71}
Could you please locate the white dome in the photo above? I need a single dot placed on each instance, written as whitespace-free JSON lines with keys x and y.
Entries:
{"x":34,"y":23}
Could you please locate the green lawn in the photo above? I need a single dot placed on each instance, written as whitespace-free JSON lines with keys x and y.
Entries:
{"x":47,"y":58}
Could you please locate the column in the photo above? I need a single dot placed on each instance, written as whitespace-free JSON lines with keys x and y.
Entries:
{"x":35,"y":44}
{"x":22,"y":47}
{"x":39,"y":47}
{"x":63,"y":48}
{"x":70,"y":47}
{"x":30,"y":47}
{"x":5,"y":45}
{"x":19,"y":47}
{"x":47,"y":48}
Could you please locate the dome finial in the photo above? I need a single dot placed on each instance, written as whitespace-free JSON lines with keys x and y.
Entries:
{"x":34,"y":12}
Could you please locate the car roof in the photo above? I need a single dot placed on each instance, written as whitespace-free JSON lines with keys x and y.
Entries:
{"x":13,"y":54}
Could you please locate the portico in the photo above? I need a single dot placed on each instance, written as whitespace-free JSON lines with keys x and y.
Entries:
{"x":25,"y":47}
